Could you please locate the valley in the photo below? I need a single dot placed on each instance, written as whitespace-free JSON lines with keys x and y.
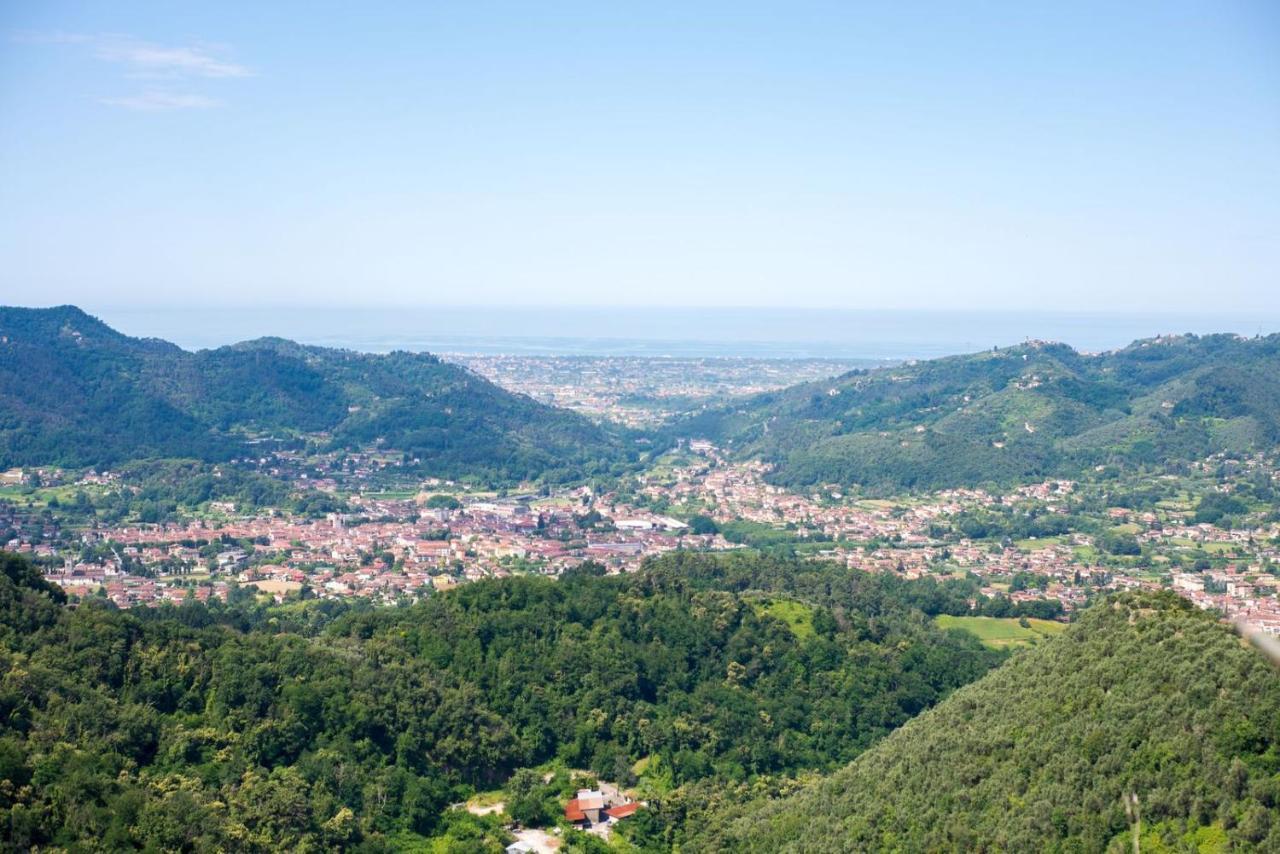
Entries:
{"x":408,"y":635}
{"x":639,"y":428}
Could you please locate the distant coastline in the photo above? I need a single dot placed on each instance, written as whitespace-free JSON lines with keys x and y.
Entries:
{"x":764,"y":333}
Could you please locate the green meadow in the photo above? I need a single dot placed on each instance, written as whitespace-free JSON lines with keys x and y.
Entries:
{"x":797,"y":615}
{"x":1002,"y":632}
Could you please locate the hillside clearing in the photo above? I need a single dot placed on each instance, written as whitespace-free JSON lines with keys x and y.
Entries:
{"x":1002,"y":632}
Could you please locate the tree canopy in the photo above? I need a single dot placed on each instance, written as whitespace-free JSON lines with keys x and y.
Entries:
{"x":1144,"y":698}
{"x":339,"y":725}
{"x":1009,"y":415}
{"x":74,"y":392}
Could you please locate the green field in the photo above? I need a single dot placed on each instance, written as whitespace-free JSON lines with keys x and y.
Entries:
{"x":1213,"y":546}
{"x":1032,"y":544}
{"x":1002,"y":632}
{"x":797,"y":615}
{"x":880,"y":503}
{"x":1085,"y":554}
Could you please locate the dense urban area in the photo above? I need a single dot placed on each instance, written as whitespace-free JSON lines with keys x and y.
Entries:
{"x":644,"y":391}
{"x":1210,"y":535}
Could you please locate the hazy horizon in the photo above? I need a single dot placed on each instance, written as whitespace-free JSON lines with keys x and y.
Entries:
{"x":666,"y":330}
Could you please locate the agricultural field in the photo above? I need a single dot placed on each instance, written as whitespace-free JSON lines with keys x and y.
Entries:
{"x":1003,"y":632}
{"x":1032,"y":544}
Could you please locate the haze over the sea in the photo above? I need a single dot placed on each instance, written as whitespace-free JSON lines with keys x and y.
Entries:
{"x":688,"y":332}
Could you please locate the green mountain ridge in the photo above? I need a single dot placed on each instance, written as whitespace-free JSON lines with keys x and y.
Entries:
{"x":1143,"y":696}
{"x":1012,"y":414}
{"x":75,"y":392}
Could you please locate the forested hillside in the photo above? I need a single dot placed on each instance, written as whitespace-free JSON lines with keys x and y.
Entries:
{"x":1145,"y":697}
{"x":75,"y":392}
{"x":1022,"y":412}
{"x":322,"y":725}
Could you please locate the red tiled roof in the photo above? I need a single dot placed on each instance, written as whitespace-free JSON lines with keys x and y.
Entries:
{"x":593,"y":802}
{"x":623,"y":810}
{"x":573,"y":812}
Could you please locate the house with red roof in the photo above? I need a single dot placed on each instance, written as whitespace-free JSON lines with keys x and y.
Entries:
{"x":585,"y":809}
{"x":592,"y":806}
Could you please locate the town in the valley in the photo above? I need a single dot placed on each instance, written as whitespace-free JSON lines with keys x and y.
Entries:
{"x":641,"y":391}
{"x":1057,"y":543}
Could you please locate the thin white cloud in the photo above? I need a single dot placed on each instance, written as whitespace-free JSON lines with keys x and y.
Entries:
{"x":159,"y":60}
{"x":159,"y":101}
{"x":196,"y":60}
{"x":155,"y":62}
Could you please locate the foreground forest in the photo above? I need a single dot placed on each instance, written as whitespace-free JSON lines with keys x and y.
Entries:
{"x":321,"y":725}
{"x":731,"y":680}
{"x":1145,"y":698}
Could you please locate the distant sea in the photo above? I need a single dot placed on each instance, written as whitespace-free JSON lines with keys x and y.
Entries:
{"x":670,"y":332}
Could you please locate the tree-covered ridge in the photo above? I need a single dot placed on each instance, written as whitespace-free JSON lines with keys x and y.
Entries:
{"x":323,"y":725}
{"x":1144,"y":696}
{"x":1029,"y":411}
{"x":74,"y":392}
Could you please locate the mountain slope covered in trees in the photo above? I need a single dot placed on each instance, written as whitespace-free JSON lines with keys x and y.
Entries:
{"x":1021,"y":412}
{"x":327,"y":725}
{"x":75,"y":392}
{"x":1144,"y":697}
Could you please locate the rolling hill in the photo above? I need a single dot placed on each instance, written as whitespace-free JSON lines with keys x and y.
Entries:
{"x":1006,"y":415}
{"x":336,"y":726}
{"x":75,"y":392}
{"x":1144,"y":696}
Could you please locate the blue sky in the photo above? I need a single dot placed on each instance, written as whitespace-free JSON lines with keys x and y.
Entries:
{"x":1074,"y":156}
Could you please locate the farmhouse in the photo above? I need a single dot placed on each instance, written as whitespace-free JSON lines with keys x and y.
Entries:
{"x":593,"y":806}
{"x":585,"y":809}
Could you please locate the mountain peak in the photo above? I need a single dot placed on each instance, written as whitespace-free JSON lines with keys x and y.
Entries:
{"x":15,"y":319}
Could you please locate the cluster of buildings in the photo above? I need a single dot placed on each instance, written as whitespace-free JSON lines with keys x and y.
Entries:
{"x":1237,"y":594}
{"x":596,"y":811}
{"x":390,"y":549}
{"x":604,"y":806}
{"x":898,"y":536}
{"x":642,"y":391}
{"x":385,"y":550}
{"x":130,"y":591}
